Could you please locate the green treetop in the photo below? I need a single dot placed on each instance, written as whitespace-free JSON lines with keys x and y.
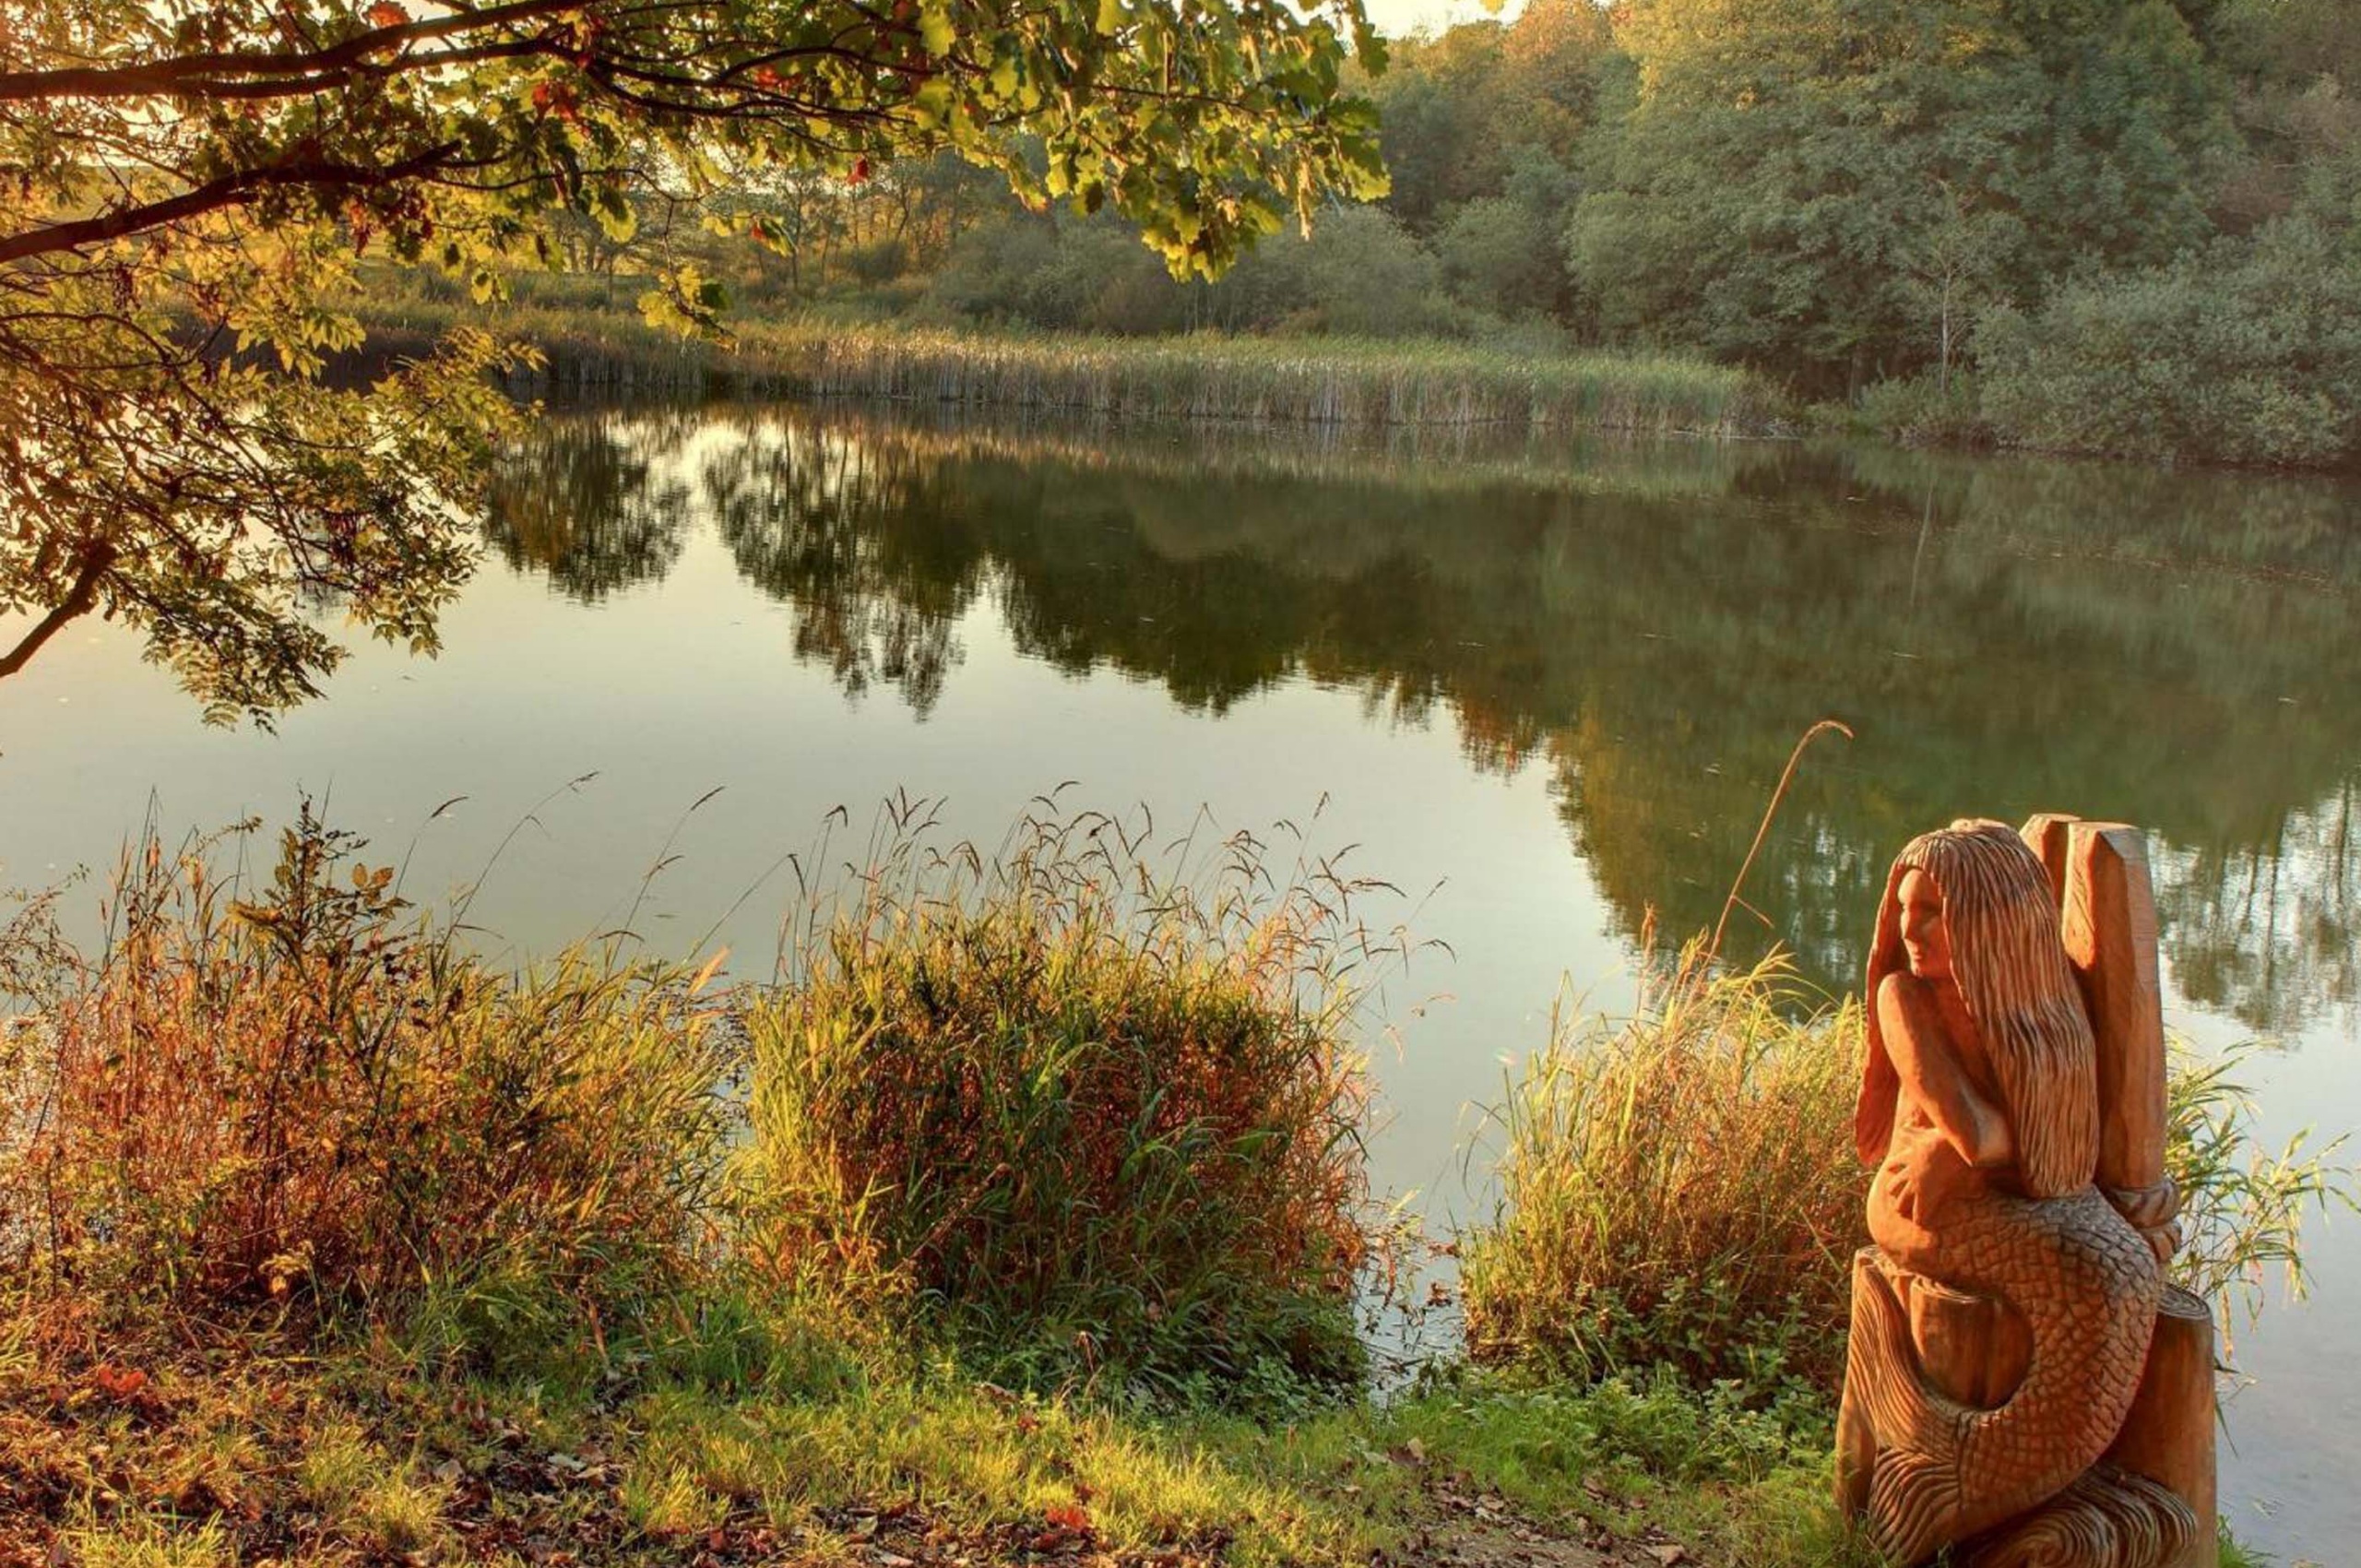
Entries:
{"x":1817,"y":184}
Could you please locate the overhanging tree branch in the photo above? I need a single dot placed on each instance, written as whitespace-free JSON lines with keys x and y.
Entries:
{"x":230,"y":190}
{"x":192,"y":73}
{"x":97,"y":561}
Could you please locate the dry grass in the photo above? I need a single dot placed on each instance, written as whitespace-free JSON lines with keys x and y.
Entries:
{"x":1068,"y":1104}
{"x":297,"y":1097}
{"x":1076,"y":1103}
{"x":1319,"y":381}
{"x":1679,"y":1188}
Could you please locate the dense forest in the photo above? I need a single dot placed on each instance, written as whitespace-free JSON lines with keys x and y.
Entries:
{"x":2127,"y":226}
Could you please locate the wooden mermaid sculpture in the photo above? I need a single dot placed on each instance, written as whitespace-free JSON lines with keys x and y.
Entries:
{"x":2002,"y":1321}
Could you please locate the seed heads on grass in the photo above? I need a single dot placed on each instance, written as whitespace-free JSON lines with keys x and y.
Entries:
{"x":1079,"y":1097}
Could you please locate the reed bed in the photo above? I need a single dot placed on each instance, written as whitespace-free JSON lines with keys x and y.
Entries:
{"x":1338,"y":381}
{"x":1289,"y":381}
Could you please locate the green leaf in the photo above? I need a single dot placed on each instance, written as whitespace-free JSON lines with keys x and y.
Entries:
{"x":618,"y":220}
{"x":936,"y":30}
{"x":930,"y":106}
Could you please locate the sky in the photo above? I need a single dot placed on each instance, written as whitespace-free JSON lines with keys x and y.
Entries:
{"x":1396,"y":18}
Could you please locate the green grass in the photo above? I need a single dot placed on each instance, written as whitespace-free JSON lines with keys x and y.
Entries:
{"x":1750,"y":1487}
{"x":1318,"y":381}
{"x":374,"y":1453}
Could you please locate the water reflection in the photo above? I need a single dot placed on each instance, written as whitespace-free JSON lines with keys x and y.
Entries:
{"x":863,"y":538}
{"x":584,"y":501}
{"x":1654,"y":624}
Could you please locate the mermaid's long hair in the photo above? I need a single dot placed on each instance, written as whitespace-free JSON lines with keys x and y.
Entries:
{"x":2010,"y":961}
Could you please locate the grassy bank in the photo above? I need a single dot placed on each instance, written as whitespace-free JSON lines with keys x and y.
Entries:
{"x":235,"y":1455}
{"x":2042,"y":401}
{"x":1320,"y":381}
{"x":1024,"y":1221}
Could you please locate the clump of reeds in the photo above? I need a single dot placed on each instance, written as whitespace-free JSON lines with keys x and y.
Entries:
{"x":2243,"y":1203}
{"x":1679,"y":1188}
{"x":1071,"y":1102}
{"x":300,"y":1098}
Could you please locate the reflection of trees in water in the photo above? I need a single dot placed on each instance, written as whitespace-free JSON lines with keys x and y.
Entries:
{"x":858,"y":538}
{"x":2005,"y":637}
{"x":849,"y":534}
{"x":580,"y":501}
{"x":2270,"y":932}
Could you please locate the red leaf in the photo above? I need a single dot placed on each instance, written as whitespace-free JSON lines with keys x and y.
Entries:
{"x":385,"y":14}
{"x":1069,"y":1516}
{"x":118,"y":1383}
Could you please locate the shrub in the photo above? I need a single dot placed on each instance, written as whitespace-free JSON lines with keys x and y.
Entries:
{"x":1366,"y":276}
{"x":2248,"y":353}
{"x":312,"y":1097}
{"x":1919,"y":412}
{"x":1057,"y":272}
{"x":1677,"y":1190}
{"x":1066,"y":1106}
{"x":1501,"y":255}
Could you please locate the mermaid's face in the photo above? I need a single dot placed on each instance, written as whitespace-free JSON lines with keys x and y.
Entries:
{"x":1926,"y":939}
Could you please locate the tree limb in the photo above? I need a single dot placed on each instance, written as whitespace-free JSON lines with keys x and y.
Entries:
{"x":228,"y":190}
{"x":187,"y":73}
{"x":97,"y":561}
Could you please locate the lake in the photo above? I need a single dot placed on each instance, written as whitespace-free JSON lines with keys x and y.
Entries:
{"x":1544,"y":687}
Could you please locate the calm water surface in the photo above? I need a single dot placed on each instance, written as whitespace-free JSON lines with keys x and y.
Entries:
{"x":1543,"y":687}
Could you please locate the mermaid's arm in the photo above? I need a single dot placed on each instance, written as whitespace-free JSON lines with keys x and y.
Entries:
{"x":1933,"y":1076}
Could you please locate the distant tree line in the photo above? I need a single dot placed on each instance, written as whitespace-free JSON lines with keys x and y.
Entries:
{"x":2129,"y":226}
